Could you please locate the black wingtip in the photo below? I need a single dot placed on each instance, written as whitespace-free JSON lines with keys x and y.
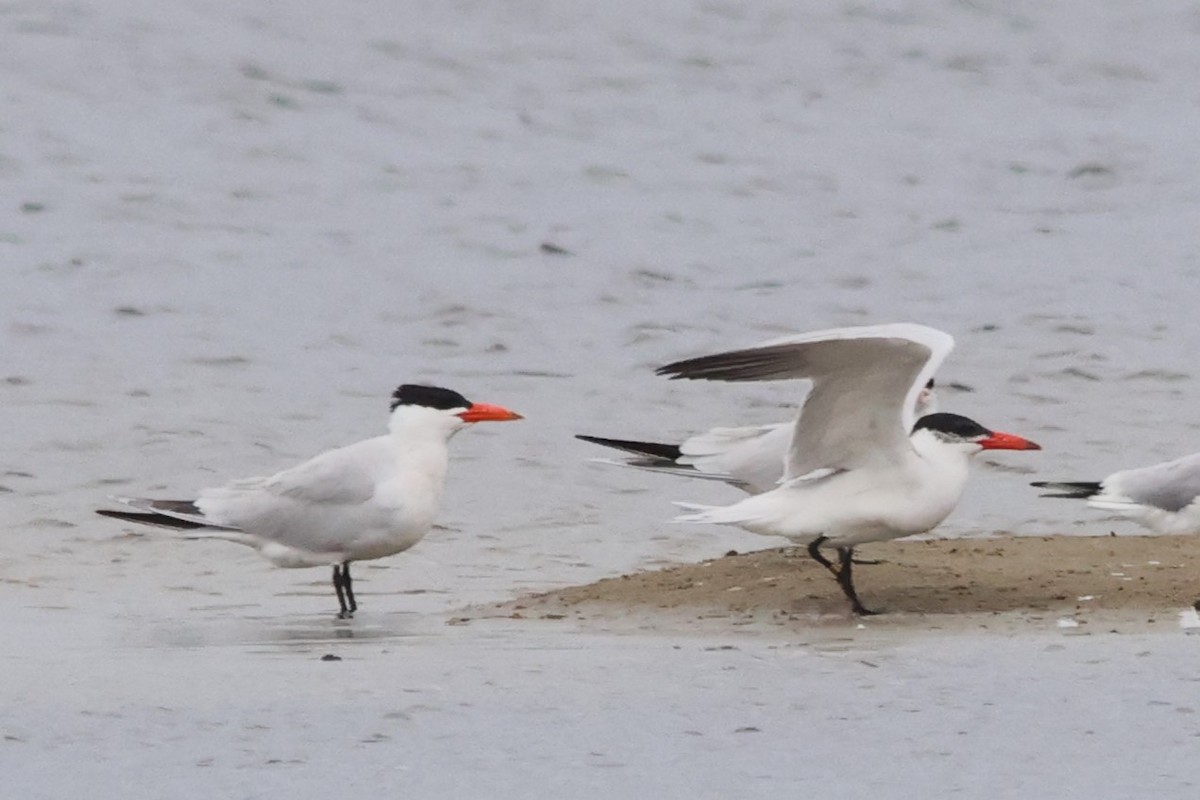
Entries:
{"x":669,"y":370}
{"x":765,"y":363}
{"x":149,"y":518}
{"x":690,"y":368}
{"x":1069,"y":489}
{"x":668,"y":452}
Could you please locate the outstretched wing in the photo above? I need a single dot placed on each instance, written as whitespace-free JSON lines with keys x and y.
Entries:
{"x":865,"y":386}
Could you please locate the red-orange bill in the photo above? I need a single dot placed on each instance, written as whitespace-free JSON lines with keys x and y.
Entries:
{"x":1008,"y":441}
{"x":486,"y":412}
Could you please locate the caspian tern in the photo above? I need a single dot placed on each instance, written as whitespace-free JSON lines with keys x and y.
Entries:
{"x":860,"y":468}
{"x":1162,"y":497}
{"x":368,"y":500}
{"x":752,"y":457}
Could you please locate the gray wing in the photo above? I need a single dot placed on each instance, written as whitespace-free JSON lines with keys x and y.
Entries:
{"x":305,"y":498}
{"x":865,"y":386}
{"x":338,"y":477}
{"x":1170,"y":486}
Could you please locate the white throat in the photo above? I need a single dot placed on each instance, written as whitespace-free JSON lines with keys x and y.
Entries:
{"x":949,"y":461}
{"x":413,"y":424}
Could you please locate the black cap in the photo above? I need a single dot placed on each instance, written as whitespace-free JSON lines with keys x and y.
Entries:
{"x":953,"y":424}
{"x":411,"y":394}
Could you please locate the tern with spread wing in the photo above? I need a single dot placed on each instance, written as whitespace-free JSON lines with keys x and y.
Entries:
{"x":860,"y":468}
{"x":368,"y":500}
{"x":1163,"y":497}
{"x":751,"y":457}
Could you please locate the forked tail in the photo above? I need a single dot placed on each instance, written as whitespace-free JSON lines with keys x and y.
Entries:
{"x":715,"y":515}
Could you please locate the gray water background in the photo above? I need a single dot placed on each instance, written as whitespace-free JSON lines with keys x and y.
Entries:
{"x":232,"y":230}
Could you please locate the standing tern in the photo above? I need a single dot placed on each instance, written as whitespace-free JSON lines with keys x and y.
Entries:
{"x":1162,"y":497}
{"x":752,"y":458}
{"x":860,"y":468}
{"x":371,"y":499}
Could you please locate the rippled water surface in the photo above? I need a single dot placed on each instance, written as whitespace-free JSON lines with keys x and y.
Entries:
{"x":231,"y":230}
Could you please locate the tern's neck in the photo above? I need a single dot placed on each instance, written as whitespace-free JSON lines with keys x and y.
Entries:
{"x":416,"y":424}
{"x":420,"y":437}
{"x":418,"y":445}
{"x":947,"y":460}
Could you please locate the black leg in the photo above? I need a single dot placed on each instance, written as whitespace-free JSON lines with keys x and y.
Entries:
{"x":814,"y":550}
{"x":341,"y":585}
{"x":349,"y":586}
{"x":845,"y":579}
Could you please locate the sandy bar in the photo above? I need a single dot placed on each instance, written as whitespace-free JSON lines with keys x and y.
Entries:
{"x":931,"y":583}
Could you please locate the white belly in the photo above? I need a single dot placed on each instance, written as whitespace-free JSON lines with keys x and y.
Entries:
{"x":854,"y":507}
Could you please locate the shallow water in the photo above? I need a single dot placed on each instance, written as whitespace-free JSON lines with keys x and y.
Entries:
{"x":231,"y":233}
{"x":509,"y":710}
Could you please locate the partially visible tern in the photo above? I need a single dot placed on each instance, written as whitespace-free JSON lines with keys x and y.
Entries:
{"x":860,"y":468}
{"x":752,"y":457}
{"x":368,"y":500}
{"x":1163,"y":497}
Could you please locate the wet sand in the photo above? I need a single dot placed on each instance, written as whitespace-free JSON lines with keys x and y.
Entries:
{"x":933,"y":583}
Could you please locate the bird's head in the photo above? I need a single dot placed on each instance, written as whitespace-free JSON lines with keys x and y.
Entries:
{"x":955,"y":430}
{"x":432,"y":407}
